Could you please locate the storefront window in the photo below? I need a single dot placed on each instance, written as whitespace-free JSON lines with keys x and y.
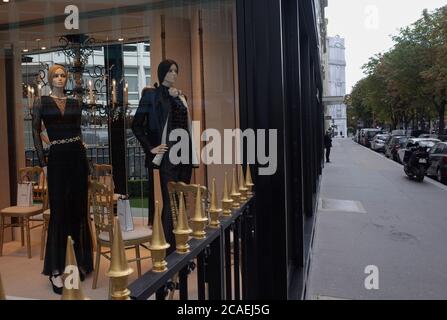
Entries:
{"x":119,"y":43}
{"x":207,"y":63}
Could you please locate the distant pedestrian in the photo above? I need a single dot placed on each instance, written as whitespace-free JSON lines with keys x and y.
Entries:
{"x":328,"y":144}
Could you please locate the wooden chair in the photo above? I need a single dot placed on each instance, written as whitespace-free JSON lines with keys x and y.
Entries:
{"x":25,"y":215}
{"x":44,"y":217}
{"x":43,"y":236}
{"x":90,"y":212}
{"x":103,"y":173}
{"x":189,"y":192}
{"x":102,"y":204}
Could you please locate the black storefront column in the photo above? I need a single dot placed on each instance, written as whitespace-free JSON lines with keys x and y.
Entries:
{"x":261,"y":81}
{"x":291,"y":32}
{"x":113,"y":56}
{"x":306,"y":122}
{"x":279,"y":73}
{"x":11,"y":116}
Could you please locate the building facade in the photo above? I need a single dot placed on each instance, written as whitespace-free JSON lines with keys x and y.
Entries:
{"x":335,"y":86}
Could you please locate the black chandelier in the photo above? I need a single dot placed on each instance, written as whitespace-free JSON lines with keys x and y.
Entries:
{"x":78,"y":48}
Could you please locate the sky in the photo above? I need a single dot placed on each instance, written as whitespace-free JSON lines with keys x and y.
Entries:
{"x":367,"y":26}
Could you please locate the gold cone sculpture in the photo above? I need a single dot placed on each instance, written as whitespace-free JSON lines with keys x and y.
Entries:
{"x":198,"y":220}
{"x":235,"y":194}
{"x":2,"y":290}
{"x":242,"y":188}
{"x":71,"y":290}
{"x":227,"y":202}
{"x":249,"y":182}
{"x":119,"y":270}
{"x":215,"y":211}
{"x":158,"y":243}
{"x":182,"y":230}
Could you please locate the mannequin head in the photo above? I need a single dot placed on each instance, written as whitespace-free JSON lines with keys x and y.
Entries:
{"x":57,"y":77}
{"x":167,"y":72}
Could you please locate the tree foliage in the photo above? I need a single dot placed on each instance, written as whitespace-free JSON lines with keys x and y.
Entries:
{"x":407,"y":84}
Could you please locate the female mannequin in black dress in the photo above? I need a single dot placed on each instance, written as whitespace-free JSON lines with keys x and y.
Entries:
{"x":67,"y":178}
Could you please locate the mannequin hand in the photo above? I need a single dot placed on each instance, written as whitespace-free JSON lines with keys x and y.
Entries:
{"x":161,"y":149}
{"x":174,"y":92}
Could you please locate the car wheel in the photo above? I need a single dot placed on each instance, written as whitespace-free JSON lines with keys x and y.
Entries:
{"x":440,"y":177}
{"x":419,"y":178}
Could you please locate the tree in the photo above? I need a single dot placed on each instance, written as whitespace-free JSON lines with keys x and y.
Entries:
{"x":409,"y":82}
{"x":428,"y":37}
{"x":357,"y":104}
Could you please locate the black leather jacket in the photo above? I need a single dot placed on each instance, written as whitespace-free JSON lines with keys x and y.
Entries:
{"x":150,"y":118}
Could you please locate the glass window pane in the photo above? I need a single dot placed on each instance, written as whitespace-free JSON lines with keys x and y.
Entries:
{"x":133,"y":84}
{"x":134,"y":96}
{"x":139,"y":69}
{"x":130,"y":48}
{"x":130,"y":71}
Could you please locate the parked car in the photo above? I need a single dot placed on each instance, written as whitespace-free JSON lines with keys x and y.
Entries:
{"x":423,"y":142}
{"x":416,"y":132}
{"x":435,"y":136}
{"x":398,"y":133}
{"x":361,"y":135}
{"x":378,"y":143}
{"x":367,"y":135}
{"x":358,"y":135}
{"x":355,"y":138}
{"x":438,"y":162}
{"x":394,"y":144}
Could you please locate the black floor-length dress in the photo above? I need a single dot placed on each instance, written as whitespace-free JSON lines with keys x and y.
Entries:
{"x":67,"y":174}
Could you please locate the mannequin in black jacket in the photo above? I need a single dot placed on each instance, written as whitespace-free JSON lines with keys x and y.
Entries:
{"x":160,"y":111}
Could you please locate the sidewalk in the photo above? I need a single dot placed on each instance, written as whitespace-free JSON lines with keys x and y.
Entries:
{"x":389,"y":221}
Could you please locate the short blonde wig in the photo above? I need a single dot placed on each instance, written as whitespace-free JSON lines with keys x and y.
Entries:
{"x":52,"y":73}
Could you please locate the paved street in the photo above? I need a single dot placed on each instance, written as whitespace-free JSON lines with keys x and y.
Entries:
{"x":394,"y":223}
